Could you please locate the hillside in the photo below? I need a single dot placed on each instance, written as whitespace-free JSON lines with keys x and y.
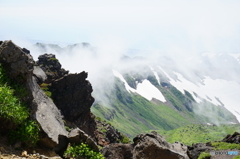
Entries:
{"x":139,"y":93}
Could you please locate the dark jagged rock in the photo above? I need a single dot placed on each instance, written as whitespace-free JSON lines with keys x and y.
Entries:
{"x":51,"y":66}
{"x":118,"y":150}
{"x":195,"y":150}
{"x":20,"y":67}
{"x":26,"y":50}
{"x":72,"y":95}
{"x":18,"y":63}
{"x":152,"y":145}
{"x":234,"y":138}
{"x":106,"y":134}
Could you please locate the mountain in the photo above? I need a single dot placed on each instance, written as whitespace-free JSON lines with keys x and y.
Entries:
{"x":138,"y":94}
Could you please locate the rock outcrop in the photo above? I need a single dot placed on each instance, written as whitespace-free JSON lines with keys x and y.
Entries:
{"x":195,"y":150}
{"x":152,"y":145}
{"x":51,"y":66}
{"x":146,"y":146}
{"x":19,"y":64}
{"x":234,"y":138}
{"x":118,"y":150}
{"x":72,"y":95}
{"x":77,"y":136}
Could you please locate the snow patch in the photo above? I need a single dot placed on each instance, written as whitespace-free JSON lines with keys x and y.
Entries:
{"x":149,"y":91}
{"x":128,"y":88}
{"x":211,"y":90}
{"x":145,"y":88}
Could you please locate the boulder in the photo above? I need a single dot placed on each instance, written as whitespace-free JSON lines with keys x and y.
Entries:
{"x":118,"y":150}
{"x":234,"y":138}
{"x":146,"y":146}
{"x":39,"y":74}
{"x":152,"y":145}
{"x":195,"y":150}
{"x":77,"y":136}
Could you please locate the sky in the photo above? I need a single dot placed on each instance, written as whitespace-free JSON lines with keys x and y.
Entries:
{"x":164,"y":25}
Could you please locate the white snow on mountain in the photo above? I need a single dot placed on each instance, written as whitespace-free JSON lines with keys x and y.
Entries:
{"x":211,"y":89}
{"x":128,"y":88}
{"x":155,"y":74}
{"x":149,"y":91}
{"x":145,"y":88}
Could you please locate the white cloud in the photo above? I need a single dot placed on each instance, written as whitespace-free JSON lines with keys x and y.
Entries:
{"x":209,"y":25}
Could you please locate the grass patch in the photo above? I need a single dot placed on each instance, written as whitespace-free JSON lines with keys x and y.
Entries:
{"x":82,"y":151}
{"x":204,"y":155}
{"x":225,"y":146}
{"x":199,"y":133}
{"x":44,"y":87}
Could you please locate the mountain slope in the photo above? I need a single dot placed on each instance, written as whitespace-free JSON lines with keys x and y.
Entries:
{"x":162,"y":93}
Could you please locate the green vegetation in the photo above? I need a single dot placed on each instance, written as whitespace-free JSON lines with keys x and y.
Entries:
{"x":132,"y":114}
{"x":204,"y":155}
{"x":11,"y":106}
{"x":236,"y":157}
{"x":189,"y":95}
{"x":153,"y":80}
{"x":125,"y":139}
{"x":225,"y":146}
{"x":199,"y":133}
{"x":44,"y":87}
{"x":53,"y":59}
{"x":13,"y":109}
{"x":27,"y":132}
{"x":82,"y":150}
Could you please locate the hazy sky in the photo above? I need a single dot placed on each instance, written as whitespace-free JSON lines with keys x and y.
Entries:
{"x":166,"y":25}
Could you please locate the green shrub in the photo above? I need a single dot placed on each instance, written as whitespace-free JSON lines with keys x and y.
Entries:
{"x":236,"y":157}
{"x":27,"y":132}
{"x":204,"y":155}
{"x":98,"y":118}
{"x":11,"y":106}
{"x":225,"y":146}
{"x":82,"y":150}
{"x":125,"y":139}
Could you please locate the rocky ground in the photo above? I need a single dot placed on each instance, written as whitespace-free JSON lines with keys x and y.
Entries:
{"x":8,"y":151}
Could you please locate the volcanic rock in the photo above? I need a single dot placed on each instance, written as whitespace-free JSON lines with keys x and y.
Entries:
{"x":51,"y":66}
{"x":152,"y":145}
{"x":234,"y":138}
{"x":118,"y":150}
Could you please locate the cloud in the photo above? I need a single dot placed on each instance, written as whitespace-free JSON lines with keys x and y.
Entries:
{"x":153,"y":24}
